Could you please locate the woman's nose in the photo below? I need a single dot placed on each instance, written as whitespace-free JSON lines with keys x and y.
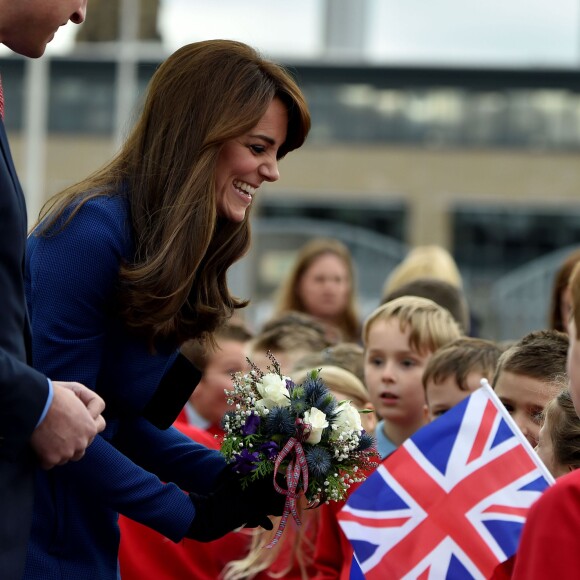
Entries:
{"x":269,"y":170}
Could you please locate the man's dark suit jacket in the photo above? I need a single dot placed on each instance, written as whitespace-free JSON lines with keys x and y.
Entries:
{"x":23,"y":391}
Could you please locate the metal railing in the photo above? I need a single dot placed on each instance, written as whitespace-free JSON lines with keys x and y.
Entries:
{"x":520,"y":300}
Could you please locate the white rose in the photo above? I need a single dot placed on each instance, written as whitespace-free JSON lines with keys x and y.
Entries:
{"x":318,"y":423}
{"x":274,"y":392}
{"x":347,"y":420}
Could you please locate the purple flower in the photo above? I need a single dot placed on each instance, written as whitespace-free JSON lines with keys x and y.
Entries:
{"x":245,"y":462}
{"x":251,"y":425}
{"x":269,"y":449}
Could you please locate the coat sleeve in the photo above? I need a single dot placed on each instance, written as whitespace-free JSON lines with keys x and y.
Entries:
{"x":23,"y":391}
{"x":170,"y":454}
{"x":23,"y":395}
{"x":114,"y":480}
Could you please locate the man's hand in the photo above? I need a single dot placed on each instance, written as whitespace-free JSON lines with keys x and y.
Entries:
{"x":72,"y":422}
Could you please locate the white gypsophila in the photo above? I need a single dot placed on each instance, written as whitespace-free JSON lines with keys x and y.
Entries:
{"x":345,"y":445}
{"x":261,"y":408}
{"x":318,"y":423}
{"x":347,"y":420}
{"x":273,"y":391}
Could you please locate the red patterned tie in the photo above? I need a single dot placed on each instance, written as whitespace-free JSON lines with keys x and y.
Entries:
{"x":1,"y":101}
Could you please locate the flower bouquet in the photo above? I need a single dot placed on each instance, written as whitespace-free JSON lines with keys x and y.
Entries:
{"x":300,"y":430}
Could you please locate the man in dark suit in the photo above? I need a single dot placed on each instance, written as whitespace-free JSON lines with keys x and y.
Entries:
{"x":41,"y":421}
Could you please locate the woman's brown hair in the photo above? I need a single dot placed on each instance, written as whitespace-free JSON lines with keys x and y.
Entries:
{"x":561,"y":281}
{"x":203,"y":95}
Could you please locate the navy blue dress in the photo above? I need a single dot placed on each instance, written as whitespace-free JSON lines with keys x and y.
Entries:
{"x":71,"y":288}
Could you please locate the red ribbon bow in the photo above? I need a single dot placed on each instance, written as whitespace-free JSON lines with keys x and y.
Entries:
{"x":296,"y":467}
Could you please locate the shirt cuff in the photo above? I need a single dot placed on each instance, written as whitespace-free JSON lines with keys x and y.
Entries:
{"x":48,"y":402}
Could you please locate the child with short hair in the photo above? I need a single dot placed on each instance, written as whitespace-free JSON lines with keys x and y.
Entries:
{"x":529,"y":374}
{"x":289,"y":337}
{"x":559,"y":440}
{"x":208,"y":404}
{"x":346,"y":355}
{"x":456,"y":370}
{"x":399,"y":338}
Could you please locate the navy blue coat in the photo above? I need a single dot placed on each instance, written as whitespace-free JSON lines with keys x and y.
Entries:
{"x":71,"y":287}
{"x":23,"y":391}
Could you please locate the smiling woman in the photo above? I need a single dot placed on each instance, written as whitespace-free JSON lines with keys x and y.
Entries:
{"x":245,"y":163}
{"x":151,"y":236}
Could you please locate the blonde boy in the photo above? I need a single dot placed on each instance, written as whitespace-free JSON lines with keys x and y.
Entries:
{"x":399,"y":338}
{"x":456,"y":370}
{"x":528,"y":375}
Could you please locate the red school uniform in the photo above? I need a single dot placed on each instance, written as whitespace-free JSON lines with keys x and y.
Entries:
{"x":334,"y":553}
{"x":549,"y":542}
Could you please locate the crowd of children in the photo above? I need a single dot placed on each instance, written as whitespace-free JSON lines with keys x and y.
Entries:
{"x":413,"y":363}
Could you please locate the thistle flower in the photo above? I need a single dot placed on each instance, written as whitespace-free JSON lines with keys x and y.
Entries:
{"x":299,"y":406}
{"x":279,"y":421}
{"x":315,"y":388}
{"x":319,"y":461}
{"x":366,"y":442}
{"x":326,"y":403}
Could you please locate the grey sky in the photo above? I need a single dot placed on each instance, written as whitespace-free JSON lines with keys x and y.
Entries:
{"x":524,"y":33}
{"x":521,"y":32}
{"x":481,"y":32}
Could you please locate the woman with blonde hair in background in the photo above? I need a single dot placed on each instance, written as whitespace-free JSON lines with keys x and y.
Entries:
{"x":424,"y":262}
{"x":321,"y":283}
{"x":433,"y":273}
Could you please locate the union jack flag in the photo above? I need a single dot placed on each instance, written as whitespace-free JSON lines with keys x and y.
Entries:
{"x":451,"y":501}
